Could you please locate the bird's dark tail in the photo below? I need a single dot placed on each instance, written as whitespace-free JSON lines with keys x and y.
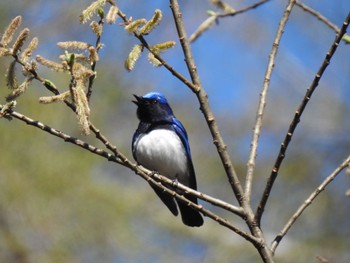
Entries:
{"x":168,"y":200}
{"x":190,"y":217}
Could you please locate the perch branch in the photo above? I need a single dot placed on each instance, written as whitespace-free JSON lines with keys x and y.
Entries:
{"x":121,"y":159}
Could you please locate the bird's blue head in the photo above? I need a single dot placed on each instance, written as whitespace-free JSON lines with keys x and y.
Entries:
{"x":153,"y":107}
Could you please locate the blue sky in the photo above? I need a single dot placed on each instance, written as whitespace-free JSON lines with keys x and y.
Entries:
{"x":231,"y":60}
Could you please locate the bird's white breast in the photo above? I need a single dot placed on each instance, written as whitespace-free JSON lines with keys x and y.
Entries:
{"x":162,"y":150}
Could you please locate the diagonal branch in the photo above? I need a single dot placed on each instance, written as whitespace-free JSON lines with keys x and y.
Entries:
{"x":202,"y":96}
{"x":204,"y":104}
{"x":214,"y":201}
{"x":317,"y":15}
{"x":308,"y":202}
{"x":296,"y":119}
{"x":262,"y":101}
{"x":214,"y":17}
{"x":119,"y":158}
{"x":157,"y":56}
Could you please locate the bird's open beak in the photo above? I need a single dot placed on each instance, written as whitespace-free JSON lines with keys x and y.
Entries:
{"x":138,"y":100}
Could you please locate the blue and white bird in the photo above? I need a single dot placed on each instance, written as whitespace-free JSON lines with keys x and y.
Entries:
{"x":160,"y":144}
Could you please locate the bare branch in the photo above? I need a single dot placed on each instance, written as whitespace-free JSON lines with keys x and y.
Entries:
{"x":214,"y":201}
{"x":263,"y":249}
{"x":262,"y":101}
{"x":204,"y":104}
{"x":308,"y":202}
{"x":318,"y":16}
{"x":214,"y":17}
{"x":141,"y":171}
{"x":98,"y":45}
{"x":296,"y":119}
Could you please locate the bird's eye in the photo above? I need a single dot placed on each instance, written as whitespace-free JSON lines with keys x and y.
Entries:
{"x":154,"y":101}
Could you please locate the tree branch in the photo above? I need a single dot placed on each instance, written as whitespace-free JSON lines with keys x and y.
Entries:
{"x":308,"y":202}
{"x":296,"y":119}
{"x":146,"y":174}
{"x":318,"y":16}
{"x":94,"y":63}
{"x":202,"y":196}
{"x":157,"y":56}
{"x":236,"y":186}
{"x":214,"y":17}
{"x":262,"y":101}
{"x":204,"y":104}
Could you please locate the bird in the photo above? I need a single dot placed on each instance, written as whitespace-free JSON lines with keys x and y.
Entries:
{"x":160,"y":144}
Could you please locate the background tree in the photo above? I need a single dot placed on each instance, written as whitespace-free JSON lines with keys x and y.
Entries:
{"x":61,"y":204}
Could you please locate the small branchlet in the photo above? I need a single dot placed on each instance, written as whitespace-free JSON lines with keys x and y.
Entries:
{"x":5,"y":109}
{"x":91,"y":10}
{"x":152,"y":23}
{"x":134,"y":26}
{"x":10,"y":31}
{"x":207,"y":23}
{"x":223,"y":6}
{"x":112,"y":14}
{"x":134,"y":55}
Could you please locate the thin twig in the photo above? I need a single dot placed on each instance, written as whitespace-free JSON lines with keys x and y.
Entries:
{"x":65,"y":137}
{"x":318,"y":16}
{"x":204,"y":104}
{"x":308,"y":202}
{"x":93,"y":65}
{"x":157,"y":56}
{"x":47,"y":84}
{"x":262,"y":101}
{"x":296,"y":119}
{"x":208,"y":22}
{"x":243,"y":10}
